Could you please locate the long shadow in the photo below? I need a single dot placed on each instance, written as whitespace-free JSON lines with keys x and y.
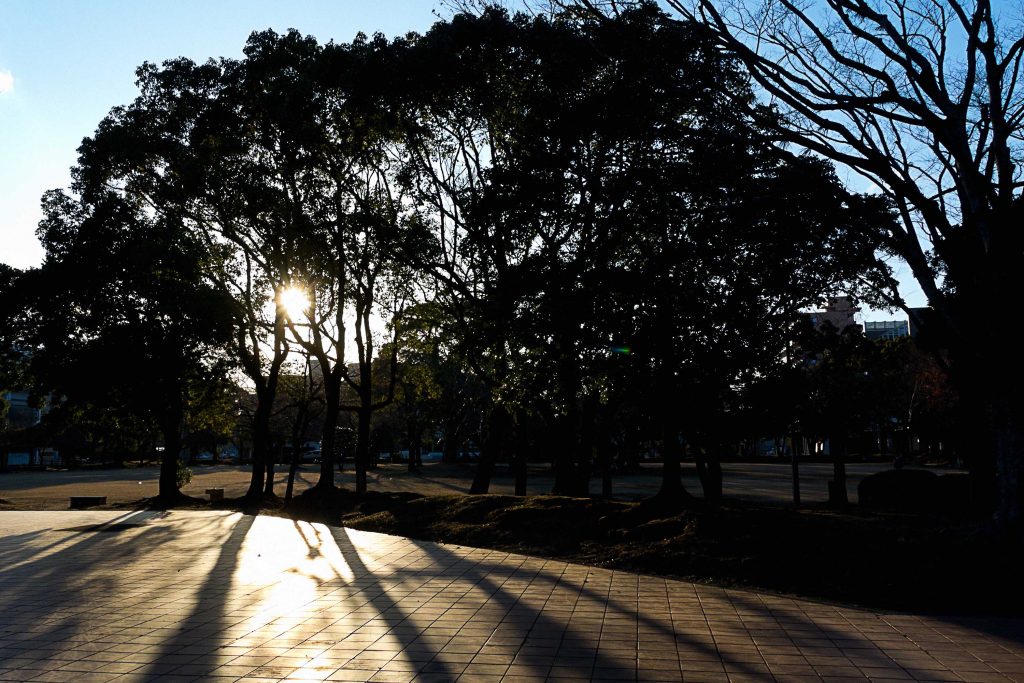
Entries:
{"x":19,"y":550}
{"x":48,"y":593}
{"x":19,"y":481}
{"x":412,"y":478}
{"x":438,"y":482}
{"x":837,"y":634}
{"x":201,"y":643}
{"x":735,"y":659}
{"x":538,"y":639}
{"x":480,"y":573}
{"x":192,"y":645}
{"x":12,"y":548}
{"x":542,"y":640}
{"x":394,"y":616}
{"x":788,"y":640}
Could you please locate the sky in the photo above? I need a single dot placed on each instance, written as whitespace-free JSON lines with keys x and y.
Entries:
{"x":65,"y":63}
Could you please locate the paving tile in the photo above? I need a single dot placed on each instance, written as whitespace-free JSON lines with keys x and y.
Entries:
{"x":217,"y":596}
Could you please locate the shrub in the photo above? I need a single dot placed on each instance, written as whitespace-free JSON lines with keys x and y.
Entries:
{"x":184,"y":475}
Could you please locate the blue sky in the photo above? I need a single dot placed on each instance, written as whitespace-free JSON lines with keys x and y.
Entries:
{"x":65,"y":63}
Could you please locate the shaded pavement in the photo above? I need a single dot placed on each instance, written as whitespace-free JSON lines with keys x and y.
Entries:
{"x":219,"y":596}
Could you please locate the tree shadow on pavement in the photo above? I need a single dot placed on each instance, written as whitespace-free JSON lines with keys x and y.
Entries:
{"x":211,"y":594}
{"x":63,"y":592}
{"x":191,"y":644}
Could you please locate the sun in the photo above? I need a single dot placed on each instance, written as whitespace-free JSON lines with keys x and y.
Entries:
{"x":294,"y":301}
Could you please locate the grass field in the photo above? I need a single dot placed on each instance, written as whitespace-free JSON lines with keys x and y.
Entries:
{"x":764,"y":483}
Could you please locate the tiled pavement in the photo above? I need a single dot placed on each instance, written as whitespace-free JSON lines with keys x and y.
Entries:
{"x":215,"y":596}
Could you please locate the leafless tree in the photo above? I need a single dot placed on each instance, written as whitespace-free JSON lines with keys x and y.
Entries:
{"x":535,"y":7}
{"x":923,"y":99}
{"x":920,"y":97}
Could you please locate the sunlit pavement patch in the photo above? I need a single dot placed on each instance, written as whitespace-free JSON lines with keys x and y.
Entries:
{"x":218,"y":596}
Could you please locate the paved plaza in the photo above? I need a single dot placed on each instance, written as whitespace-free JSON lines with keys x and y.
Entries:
{"x":95,"y":596}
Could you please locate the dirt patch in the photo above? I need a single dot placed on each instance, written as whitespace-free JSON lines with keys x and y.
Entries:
{"x":890,"y":561}
{"x":760,"y":483}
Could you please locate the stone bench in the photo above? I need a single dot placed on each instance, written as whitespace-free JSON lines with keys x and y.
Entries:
{"x":216,"y":495}
{"x":79,"y":502}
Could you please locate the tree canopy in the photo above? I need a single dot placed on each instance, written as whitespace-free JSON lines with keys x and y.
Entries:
{"x":549,"y":224}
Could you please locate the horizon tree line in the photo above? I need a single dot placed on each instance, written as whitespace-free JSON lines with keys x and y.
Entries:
{"x":585,"y":221}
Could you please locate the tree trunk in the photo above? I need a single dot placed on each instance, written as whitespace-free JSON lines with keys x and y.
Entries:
{"x":519,"y":458}
{"x":268,"y":484}
{"x":299,"y":428}
{"x":709,"y":468}
{"x":414,"y":444}
{"x":450,"y":452}
{"x":709,"y":471}
{"x":565,"y":455}
{"x":497,"y":432}
{"x":795,"y":452}
{"x":171,"y":428}
{"x":837,"y":494}
{"x":362,"y":447}
{"x":666,"y":386}
{"x":260,"y":441}
{"x":570,"y":456}
{"x":987,"y":371}
{"x":1007,"y":438}
{"x":671,"y":468}
{"x":329,"y":436}
{"x":266,"y":392}
{"x":604,"y":457}
{"x":292,"y":469}
{"x":998,"y":444}
{"x":168,"y":488}
{"x":994,"y":437}
{"x":585,"y":452}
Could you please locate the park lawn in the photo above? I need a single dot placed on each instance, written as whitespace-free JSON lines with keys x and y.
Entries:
{"x":890,"y":561}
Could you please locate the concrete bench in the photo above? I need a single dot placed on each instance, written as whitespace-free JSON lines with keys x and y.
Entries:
{"x":78,"y":502}
{"x":216,"y":495}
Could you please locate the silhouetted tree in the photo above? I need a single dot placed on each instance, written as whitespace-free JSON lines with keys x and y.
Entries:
{"x":593,"y":187}
{"x":123,"y":315}
{"x":203,"y":145}
{"x":285,"y":184}
{"x":923,"y":100}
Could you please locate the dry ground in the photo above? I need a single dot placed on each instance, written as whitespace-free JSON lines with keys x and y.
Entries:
{"x":763,"y":483}
{"x":921,"y":562}
{"x":936,"y":563}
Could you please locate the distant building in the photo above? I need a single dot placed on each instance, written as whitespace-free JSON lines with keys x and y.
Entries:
{"x":886,"y":329}
{"x":20,"y":413}
{"x":22,"y":416}
{"x":839,"y":312}
{"x":894,"y":329}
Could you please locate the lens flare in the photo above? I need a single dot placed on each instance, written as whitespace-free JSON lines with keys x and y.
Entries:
{"x":294,"y":301}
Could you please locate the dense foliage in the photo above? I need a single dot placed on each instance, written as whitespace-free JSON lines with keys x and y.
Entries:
{"x":540,"y":237}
